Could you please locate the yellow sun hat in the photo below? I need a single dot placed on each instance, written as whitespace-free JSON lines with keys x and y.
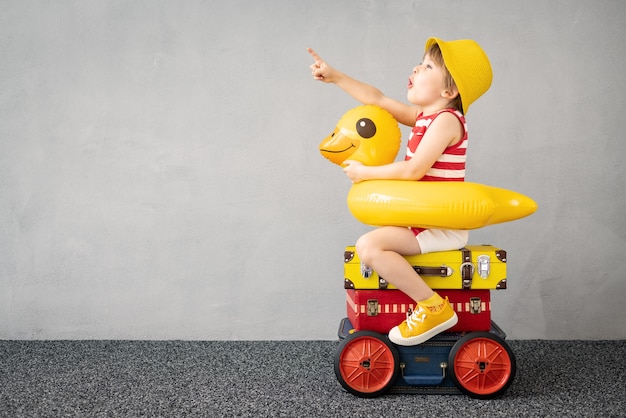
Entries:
{"x":468,"y":65}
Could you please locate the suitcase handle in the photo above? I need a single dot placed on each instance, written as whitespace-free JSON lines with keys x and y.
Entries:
{"x":443,"y":271}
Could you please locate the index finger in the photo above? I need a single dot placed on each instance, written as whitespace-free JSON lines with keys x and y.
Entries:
{"x":314,"y":54}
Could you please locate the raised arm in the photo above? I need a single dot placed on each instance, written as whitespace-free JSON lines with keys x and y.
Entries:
{"x":362,"y":92}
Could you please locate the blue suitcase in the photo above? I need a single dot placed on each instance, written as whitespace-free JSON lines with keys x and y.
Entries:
{"x":479,"y":364}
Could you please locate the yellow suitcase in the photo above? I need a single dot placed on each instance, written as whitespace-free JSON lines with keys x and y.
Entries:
{"x":471,"y":267}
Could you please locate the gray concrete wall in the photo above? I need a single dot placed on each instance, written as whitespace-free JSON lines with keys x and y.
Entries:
{"x":160,"y":178}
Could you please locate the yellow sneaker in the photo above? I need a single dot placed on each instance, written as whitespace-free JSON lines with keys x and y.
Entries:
{"x":423,"y":325}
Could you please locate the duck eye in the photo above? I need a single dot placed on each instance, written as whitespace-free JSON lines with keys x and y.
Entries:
{"x":366,"y":128}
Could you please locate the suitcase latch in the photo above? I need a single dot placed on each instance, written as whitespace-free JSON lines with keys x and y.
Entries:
{"x":366,"y":271}
{"x":372,"y":307}
{"x":484,"y":265}
{"x":475,"y":305}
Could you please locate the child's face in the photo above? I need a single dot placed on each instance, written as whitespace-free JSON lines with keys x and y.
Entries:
{"x":426,"y":84}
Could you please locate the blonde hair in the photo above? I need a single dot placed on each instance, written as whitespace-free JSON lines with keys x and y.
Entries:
{"x":434,"y":52}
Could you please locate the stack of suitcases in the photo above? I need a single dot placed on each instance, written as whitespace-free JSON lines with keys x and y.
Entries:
{"x":470,"y":358}
{"x":466,"y":277}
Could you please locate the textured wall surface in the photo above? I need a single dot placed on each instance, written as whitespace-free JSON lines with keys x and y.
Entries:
{"x":160,"y":178}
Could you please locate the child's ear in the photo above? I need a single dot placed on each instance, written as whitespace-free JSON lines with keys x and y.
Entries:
{"x":450,"y":94}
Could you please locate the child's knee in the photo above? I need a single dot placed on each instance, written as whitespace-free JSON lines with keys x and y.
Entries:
{"x":365,"y":249}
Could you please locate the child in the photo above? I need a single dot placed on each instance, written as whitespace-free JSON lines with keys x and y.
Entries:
{"x":452,"y":75}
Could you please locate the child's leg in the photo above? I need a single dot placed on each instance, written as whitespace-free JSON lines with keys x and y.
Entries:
{"x":383,"y":249}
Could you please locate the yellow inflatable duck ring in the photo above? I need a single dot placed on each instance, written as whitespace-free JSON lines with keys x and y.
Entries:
{"x":423,"y":204}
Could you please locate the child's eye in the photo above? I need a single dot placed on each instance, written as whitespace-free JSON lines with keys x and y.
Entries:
{"x":430,"y":67}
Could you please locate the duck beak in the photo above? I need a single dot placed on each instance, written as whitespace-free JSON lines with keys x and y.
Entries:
{"x":339,"y":145}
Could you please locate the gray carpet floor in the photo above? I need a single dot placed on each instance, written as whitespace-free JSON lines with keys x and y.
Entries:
{"x":283,"y":378}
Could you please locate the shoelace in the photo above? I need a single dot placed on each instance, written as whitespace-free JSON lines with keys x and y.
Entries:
{"x":418,"y":315}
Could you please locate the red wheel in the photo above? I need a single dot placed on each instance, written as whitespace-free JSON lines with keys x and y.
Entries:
{"x":366,"y":364}
{"x":483,"y":365}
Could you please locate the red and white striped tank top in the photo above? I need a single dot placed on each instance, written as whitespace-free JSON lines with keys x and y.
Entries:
{"x":450,"y":166}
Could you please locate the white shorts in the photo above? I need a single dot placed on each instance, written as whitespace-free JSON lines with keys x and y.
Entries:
{"x":432,"y":240}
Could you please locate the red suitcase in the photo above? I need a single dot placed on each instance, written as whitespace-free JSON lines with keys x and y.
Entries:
{"x":381,"y":310}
